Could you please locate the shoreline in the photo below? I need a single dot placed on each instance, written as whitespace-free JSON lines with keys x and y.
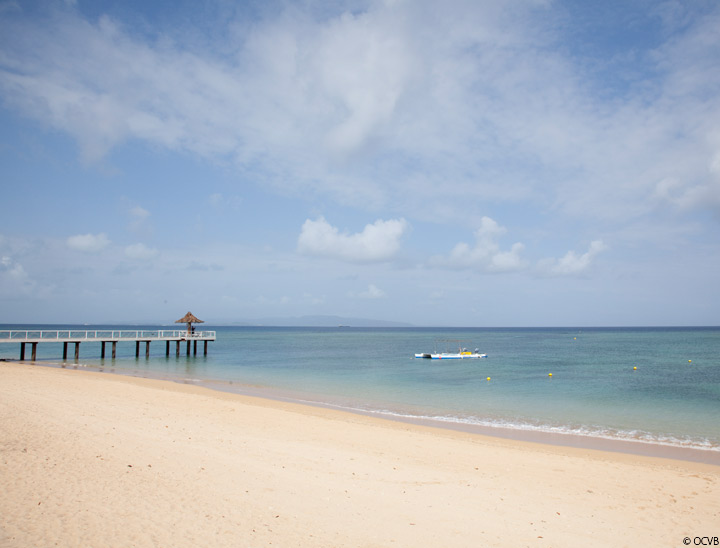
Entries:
{"x":91,"y":459}
{"x":560,"y":439}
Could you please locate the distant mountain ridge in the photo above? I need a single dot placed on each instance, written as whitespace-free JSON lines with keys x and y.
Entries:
{"x":315,"y":321}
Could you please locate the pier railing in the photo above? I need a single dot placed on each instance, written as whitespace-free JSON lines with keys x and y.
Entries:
{"x":103,"y":336}
{"x":72,"y":335}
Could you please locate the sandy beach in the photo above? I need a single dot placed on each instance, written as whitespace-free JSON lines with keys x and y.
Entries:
{"x":94,"y":459}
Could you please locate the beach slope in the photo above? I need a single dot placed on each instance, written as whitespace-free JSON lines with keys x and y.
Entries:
{"x":94,"y":459}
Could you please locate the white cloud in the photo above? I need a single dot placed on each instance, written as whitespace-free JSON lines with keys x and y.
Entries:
{"x":12,"y":269}
{"x":485,"y":255}
{"x":377,"y":242}
{"x":140,"y":252}
{"x":415,"y":104}
{"x":468,"y":99}
{"x":139,"y":219}
{"x":138,"y":213}
{"x":15,"y":281}
{"x":701,"y":193}
{"x":372,"y":292}
{"x":88,"y":243}
{"x":572,"y":264}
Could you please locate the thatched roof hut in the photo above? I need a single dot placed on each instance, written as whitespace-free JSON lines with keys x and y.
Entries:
{"x":189,"y":319}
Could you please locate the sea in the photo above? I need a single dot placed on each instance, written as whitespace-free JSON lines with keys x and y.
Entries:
{"x":644,"y":390}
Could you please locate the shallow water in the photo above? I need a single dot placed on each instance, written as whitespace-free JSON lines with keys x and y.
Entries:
{"x":672,"y":398}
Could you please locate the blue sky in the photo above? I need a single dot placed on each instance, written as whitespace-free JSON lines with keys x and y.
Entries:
{"x":459,"y":163}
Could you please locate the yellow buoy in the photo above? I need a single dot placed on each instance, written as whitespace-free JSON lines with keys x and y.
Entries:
{"x":488,"y":378}
{"x":574,"y":338}
{"x":634,"y":368}
{"x":549,"y":374}
{"x":689,"y":361}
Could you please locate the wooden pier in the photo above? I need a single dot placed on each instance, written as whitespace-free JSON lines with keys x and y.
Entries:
{"x":71,"y":336}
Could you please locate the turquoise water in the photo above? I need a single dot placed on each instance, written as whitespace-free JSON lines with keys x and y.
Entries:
{"x":672,"y":399}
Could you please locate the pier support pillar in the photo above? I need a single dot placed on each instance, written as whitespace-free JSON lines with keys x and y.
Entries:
{"x":114,"y":345}
{"x":177,"y":348}
{"x":102,"y":350}
{"x":205,"y":351}
{"x":77,"y":350}
{"x":22,"y":351}
{"x":147,"y":349}
{"x":137,"y":349}
{"x":194,"y":348}
{"x":34,"y":351}
{"x":167,"y":348}
{"x":65,"y":351}
{"x":188,"y":348}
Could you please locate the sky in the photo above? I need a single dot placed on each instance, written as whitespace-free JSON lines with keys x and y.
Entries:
{"x":455,"y":163}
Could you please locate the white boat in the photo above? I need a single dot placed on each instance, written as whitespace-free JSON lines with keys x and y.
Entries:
{"x":461,"y":354}
{"x":452,"y":355}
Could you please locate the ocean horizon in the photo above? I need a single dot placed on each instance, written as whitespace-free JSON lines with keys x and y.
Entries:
{"x":644,"y":389}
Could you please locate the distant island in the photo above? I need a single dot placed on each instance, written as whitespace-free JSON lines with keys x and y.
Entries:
{"x":315,"y":321}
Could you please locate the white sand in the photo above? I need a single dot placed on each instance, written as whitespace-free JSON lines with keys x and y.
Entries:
{"x":93,"y":459}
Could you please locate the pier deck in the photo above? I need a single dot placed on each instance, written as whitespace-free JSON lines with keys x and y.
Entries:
{"x":36,"y":336}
